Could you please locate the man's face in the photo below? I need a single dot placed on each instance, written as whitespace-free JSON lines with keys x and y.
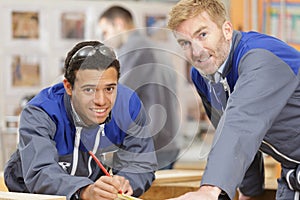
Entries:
{"x":205,"y":44}
{"x":94,"y":94}
{"x":110,"y":32}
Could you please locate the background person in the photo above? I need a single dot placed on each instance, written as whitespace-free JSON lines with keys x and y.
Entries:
{"x":89,"y":110}
{"x":249,"y":84}
{"x":146,"y":69}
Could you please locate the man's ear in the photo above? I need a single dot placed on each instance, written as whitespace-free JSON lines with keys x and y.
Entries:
{"x":227,"y":30}
{"x":68,"y":87}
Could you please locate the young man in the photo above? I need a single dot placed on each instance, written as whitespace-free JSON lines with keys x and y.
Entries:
{"x":249,"y":84}
{"x":145,"y":68}
{"x":88,"y":111}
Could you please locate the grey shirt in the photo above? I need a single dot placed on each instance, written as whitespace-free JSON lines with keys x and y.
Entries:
{"x":147,"y":69}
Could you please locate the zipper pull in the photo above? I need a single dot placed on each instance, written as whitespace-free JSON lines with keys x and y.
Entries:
{"x":225,"y":84}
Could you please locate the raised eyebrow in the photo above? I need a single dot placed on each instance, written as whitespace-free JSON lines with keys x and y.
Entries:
{"x":111,"y":85}
{"x":199,"y":30}
{"x":88,"y":86}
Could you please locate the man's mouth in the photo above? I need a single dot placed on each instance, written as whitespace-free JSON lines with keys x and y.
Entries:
{"x":204,"y":59}
{"x":98,"y":110}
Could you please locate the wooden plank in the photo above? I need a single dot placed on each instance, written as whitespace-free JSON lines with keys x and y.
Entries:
{"x":191,"y":165}
{"x":271,"y":184}
{"x":22,"y":196}
{"x":169,"y":190}
{"x":173,"y":183}
{"x":2,"y":183}
{"x":174,"y":175}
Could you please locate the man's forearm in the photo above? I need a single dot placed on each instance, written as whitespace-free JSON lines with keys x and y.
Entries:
{"x":215,"y":191}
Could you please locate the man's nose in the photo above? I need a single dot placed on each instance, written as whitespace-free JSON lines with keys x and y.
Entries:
{"x":99,"y":98}
{"x":197,"y":48}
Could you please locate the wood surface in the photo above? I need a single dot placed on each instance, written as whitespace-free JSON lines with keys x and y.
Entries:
{"x":176,"y":182}
{"x":25,"y":196}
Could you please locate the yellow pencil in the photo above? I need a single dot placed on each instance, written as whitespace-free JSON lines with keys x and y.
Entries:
{"x":126,"y":197}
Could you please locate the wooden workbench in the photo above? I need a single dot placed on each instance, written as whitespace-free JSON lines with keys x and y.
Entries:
{"x":5,"y":195}
{"x":170,"y":183}
{"x":24,"y":196}
{"x":186,"y":178}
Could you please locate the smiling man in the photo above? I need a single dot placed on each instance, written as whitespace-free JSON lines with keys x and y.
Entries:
{"x":88,"y":111}
{"x":94,"y":94}
{"x":206,"y":53}
{"x":249,"y":84}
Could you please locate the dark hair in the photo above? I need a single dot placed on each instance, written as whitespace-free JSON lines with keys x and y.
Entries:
{"x":95,"y":61}
{"x":117,"y":11}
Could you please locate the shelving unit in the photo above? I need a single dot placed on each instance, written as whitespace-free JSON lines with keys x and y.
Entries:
{"x":280,"y":18}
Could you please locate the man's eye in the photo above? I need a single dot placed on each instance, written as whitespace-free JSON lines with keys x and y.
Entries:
{"x":89,"y":90}
{"x":110,"y":89}
{"x":202,"y":35}
{"x":184,"y":44}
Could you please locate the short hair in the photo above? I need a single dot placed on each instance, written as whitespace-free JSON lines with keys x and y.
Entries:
{"x":96,"y":61}
{"x":117,"y":12}
{"x":187,"y":9}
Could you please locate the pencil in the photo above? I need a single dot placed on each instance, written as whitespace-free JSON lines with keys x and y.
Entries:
{"x":101,"y":166}
{"x":126,"y":197}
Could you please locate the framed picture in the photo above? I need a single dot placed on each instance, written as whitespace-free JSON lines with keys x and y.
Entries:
{"x":156,"y":27}
{"x":25,"y":25}
{"x":25,"y":71}
{"x":72,"y":25}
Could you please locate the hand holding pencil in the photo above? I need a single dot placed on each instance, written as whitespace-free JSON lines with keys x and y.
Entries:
{"x":109,"y":187}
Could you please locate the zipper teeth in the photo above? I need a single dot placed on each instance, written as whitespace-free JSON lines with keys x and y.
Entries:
{"x":282,"y":155}
{"x":94,"y":150}
{"x":76,"y":150}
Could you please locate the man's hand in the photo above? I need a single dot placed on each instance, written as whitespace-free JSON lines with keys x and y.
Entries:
{"x":106,"y":188}
{"x":205,"y":192}
{"x":243,"y":197}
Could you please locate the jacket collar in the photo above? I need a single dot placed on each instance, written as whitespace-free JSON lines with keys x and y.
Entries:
{"x":237,"y":35}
